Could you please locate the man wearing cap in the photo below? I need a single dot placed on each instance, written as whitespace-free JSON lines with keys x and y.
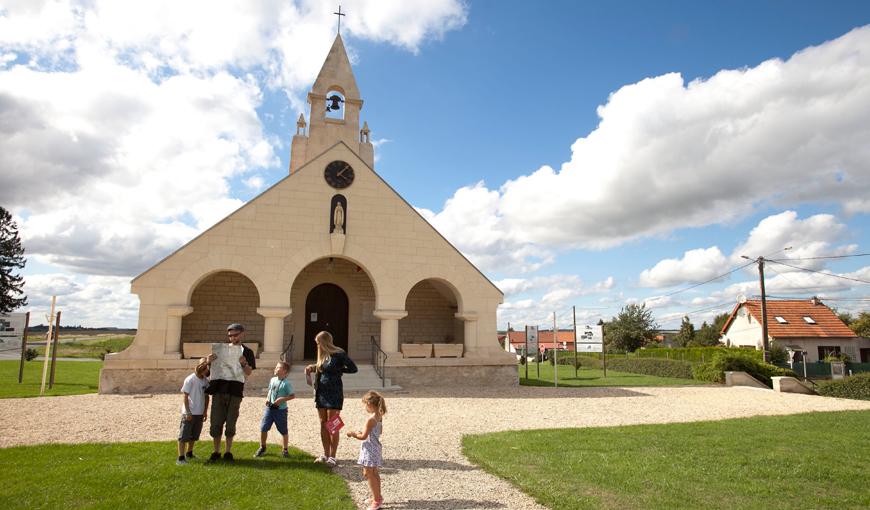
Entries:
{"x":227,"y":396}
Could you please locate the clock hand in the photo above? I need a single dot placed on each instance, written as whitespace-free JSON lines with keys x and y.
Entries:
{"x":342,"y":171}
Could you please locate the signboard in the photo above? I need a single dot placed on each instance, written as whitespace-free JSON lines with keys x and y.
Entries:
{"x":11,"y":330}
{"x":589,"y":338}
{"x":532,"y":338}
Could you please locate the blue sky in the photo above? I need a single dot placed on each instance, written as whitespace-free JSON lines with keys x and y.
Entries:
{"x":570,"y":149}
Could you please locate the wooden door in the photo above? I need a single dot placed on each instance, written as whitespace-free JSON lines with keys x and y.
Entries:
{"x":325,"y":310}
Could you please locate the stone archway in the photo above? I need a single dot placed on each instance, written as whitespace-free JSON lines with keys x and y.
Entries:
{"x":220,"y":299}
{"x":431,"y":305}
{"x":359,"y":289}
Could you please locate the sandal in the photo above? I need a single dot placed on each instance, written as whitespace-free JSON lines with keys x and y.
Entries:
{"x":376,"y":505}
{"x":320,"y":459}
{"x":331,"y":461}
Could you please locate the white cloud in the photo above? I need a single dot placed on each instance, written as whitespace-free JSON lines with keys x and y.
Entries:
{"x":91,"y":301}
{"x":254,"y":182}
{"x":669,"y":154}
{"x":126,"y":122}
{"x":695,"y":266}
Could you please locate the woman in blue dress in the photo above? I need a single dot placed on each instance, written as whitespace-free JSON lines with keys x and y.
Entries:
{"x":332,"y":363}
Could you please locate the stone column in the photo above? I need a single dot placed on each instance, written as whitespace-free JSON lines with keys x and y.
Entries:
{"x":174,"y":314}
{"x":470,"y":330}
{"x":273,"y":335}
{"x":390,"y":328}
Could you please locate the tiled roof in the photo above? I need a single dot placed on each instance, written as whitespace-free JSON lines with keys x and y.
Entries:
{"x":545,"y":338}
{"x":827,"y":324}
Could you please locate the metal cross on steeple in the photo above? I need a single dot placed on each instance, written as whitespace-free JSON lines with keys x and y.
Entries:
{"x":339,"y":14}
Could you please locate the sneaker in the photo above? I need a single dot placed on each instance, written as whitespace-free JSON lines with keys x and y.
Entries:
{"x":331,"y":462}
{"x":215,"y":456}
{"x":228,"y":456}
{"x":376,"y":505}
{"x":181,"y":460}
{"x":260,"y":451}
{"x":190,"y":455}
{"x":320,"y":459}
{"x":285,"y":453}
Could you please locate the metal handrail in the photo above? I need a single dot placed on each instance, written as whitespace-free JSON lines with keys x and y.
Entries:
{"x":379,"y":361}
{"x":284,"y":355}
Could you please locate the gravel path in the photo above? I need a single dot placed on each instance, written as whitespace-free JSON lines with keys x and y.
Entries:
{"x":422,"y":430}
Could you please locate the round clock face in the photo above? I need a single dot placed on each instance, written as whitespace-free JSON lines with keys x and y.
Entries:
{"x":338,"y":174}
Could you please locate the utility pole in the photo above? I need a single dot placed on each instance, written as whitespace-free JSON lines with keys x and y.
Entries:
{"x":764,"y":337}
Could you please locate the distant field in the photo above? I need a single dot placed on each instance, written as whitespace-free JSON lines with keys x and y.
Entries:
{"x":90,"y":346}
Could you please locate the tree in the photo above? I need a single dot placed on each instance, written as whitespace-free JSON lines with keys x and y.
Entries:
{"x":11,"y":257}
{"x":709,"y":333}
{"x":846,"y":317}
{"x":633,"y":327}
{"x":861,"y":325}
{"x":687,"y":333}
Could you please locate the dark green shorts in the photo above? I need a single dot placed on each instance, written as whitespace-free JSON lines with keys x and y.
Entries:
{"x":224,"y":410}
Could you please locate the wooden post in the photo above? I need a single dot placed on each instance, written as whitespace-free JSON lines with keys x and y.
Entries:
{"x":574,"y":316}
{"x":23,"y":347}
{"x":526,"y":354}
{"x":555,"y":356}
{"x":47,"y":346}
{"x":54,"y":349}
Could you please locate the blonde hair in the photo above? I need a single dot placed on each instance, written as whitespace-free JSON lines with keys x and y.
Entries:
{"x":376,"y":400}
{"x":325,"y":348}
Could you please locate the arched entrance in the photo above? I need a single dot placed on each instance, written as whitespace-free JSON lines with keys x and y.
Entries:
{"x":326,"y":309}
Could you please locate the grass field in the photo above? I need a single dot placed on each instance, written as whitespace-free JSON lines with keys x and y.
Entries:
{"x":815,"y":460}
{"x":144,"y":475}
{"x":70,"y":378}
{"x":87,"y":347}
{"x":594,"y":377}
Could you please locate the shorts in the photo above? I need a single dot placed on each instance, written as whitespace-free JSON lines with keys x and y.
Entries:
{"x":276,"y":416}
{"x":224,"y":409}
{"x":190,"y":430}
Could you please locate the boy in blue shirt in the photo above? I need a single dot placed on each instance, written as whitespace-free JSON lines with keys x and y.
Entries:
{"x":280,"y":391}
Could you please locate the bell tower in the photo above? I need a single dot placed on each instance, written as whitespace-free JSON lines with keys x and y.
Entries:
{"x":334,"y":113}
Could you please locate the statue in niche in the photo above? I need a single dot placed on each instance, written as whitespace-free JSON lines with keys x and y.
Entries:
{"x":338,"y":218}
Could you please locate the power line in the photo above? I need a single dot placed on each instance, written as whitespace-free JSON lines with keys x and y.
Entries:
{"x":820,"y":272}
{"x":710,"y":280}
{"x":823,"y":257}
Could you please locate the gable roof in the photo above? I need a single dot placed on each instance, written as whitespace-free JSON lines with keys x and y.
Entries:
{"x":290,"y":176}
{"x":545,"y":338}
{"x":793,"y":311}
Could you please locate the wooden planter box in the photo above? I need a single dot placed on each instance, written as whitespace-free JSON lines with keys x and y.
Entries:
{"x":416,"y":350}
{"x":448,"y":350}
{"x":203,"y":349}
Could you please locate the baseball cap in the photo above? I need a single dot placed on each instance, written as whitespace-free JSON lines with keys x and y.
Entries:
{"x":235,"y":326}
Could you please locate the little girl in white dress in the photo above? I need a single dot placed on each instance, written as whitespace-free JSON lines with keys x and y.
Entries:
{"x":371,"y":452}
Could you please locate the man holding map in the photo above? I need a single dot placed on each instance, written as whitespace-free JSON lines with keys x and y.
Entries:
{"x":230,"y":364}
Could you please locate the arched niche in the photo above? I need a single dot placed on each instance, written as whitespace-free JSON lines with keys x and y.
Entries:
{"x":431,"y":305}
{"x":220,"y":299}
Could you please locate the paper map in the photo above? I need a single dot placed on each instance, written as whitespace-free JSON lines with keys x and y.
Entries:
{"x":227,"y":366}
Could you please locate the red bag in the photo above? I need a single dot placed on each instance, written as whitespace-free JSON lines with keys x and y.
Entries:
{"x":334,"y":424}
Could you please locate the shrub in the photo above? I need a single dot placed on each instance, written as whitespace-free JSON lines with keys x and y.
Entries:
{"x":854,"y":387}
{"x":778,"y":354}
{"x":30,"y":354}
{"x":714,"y":371}
{"x":652,"y":366}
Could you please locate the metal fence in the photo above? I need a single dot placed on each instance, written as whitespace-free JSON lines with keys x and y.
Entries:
{"x":820,"y":369}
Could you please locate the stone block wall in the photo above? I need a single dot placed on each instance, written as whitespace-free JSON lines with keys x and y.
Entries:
{"x":430,"y":317}
{"x":219,"y":300}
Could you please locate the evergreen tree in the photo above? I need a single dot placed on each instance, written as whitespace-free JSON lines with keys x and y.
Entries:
{"x":686,"y":336}
{"x":11,"y":257}
{"x":709,"y":334}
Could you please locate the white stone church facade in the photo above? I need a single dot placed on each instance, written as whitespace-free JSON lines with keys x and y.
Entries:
{"x":331,"y":246}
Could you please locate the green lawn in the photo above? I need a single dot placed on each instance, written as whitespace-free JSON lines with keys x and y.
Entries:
{"x":815,"y":460}
{"x":144,"y":475}
{"x":70,"y":378}
{"x":594,"y":377}
{"x":90,"y":347}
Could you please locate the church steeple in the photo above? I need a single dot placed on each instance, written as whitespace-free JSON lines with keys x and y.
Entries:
{"x":334,"y":113}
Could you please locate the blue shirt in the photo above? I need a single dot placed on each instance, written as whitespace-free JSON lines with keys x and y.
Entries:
{"x":279,"y":388}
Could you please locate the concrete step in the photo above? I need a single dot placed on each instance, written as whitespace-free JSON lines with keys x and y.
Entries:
{"x":365,"y":379}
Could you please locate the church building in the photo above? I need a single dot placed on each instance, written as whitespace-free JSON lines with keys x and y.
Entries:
{"x":329,"y":247}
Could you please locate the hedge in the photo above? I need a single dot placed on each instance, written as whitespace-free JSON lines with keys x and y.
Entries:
{"x":714,"y":371}
{"x":855,"y":387}
{"x":696,"y":354}
{"x":652,"y":366}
